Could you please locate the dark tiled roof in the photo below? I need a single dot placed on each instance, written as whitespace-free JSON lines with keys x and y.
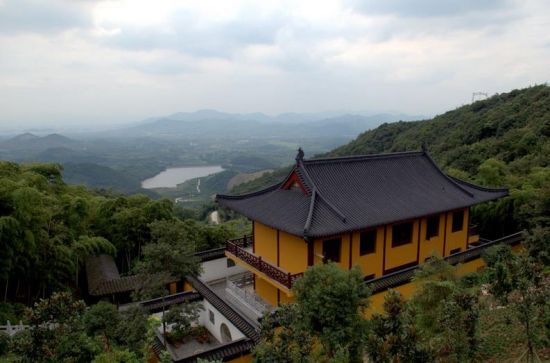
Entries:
{"x":155,"y":305}
{"x":233,"y":316}
{"x":103,"y":277}
{"x":225,"y":352}
{"x":350,"y":193}
{"x":210,"y":255}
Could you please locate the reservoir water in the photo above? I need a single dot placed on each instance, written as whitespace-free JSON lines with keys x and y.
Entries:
{"x":171,"y":177}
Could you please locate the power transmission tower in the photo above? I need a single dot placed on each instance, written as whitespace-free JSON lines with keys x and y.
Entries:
{"x":474,"y":94}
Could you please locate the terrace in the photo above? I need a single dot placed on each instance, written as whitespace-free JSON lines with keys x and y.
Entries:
{"x":239,"y":250}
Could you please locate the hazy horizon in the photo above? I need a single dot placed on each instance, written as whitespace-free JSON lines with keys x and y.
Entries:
{"x":100,"y":63}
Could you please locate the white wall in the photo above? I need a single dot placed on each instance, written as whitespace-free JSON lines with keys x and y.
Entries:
{"x":204,"y":320}
{"x":214,"y":329}
{"x":217,"y":269}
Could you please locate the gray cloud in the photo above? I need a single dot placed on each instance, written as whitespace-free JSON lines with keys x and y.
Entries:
{"x":426,"y":8}
{"x":19,"y":16}
{"x":187,"y":35}
{"x":416,"y":57}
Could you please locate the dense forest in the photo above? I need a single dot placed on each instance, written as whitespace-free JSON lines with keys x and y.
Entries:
{"x":48,"y":228}
{"x":500,"y":141}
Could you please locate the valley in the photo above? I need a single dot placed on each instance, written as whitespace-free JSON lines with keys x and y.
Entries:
{"x":132,"y":159}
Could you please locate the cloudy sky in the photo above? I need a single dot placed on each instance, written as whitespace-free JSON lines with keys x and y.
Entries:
{"x":92,"y":62}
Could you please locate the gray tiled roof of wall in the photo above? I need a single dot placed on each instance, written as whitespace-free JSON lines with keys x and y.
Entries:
{"x":350,"y":193}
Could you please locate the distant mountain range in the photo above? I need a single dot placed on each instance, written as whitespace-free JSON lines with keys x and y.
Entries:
{"x":243,"y":143}
{"x":28,"y":141}
{"x":206,"y":124}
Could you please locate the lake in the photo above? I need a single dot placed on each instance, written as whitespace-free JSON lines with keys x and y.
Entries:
{"x":171,"y":177}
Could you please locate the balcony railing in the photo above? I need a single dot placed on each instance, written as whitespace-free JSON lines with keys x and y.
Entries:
{"x":241,"y":289}
{"x":237,"y":248}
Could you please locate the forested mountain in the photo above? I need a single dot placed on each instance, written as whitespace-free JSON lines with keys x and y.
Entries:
{"x":500,"y":141}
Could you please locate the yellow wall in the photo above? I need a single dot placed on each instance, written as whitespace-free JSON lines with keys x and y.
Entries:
{"x":292,"y":253}
{"x":407,"y":290}
{"x":244,"y":359}
{"x":456,"y":239}
{"x":292,"y":258}
{"x":265,"y":242}
{"x":434,"y":245}
{"x":370,"y":263}
{"x":285,"y":299}
{"x":401,"y":255}
{"x":266,"y":291}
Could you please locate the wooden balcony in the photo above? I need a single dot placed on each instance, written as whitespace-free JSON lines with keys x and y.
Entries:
{"x":237,"y":248}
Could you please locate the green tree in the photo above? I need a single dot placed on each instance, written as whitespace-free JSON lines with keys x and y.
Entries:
{"x":56,"y":334}
{"x":133,"y":328}
{"x":394,"y":336}
{"x":325,"y":323}
{"x":492,"y":172}
{"x":182,"y":317}
{"x":162,"y":262}
{"x":447,"y":312}
{"x":102,"y":319}
{"x":282,"y":340}
{"x":520,"y":284}
{"x":117,"y":356}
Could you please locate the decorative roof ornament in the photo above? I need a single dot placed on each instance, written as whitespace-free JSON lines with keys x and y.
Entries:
{"x":300,"y":155}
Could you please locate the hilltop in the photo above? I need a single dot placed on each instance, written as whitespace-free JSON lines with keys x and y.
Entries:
{"x":500,"y":141}
{"x":29,"y":141}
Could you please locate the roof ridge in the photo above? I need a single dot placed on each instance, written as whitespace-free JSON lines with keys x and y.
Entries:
{"x":251,"y":194}
{"x":453,"y":182}
{"x":310,"y":211}
{"x":362,"y":157}
{"x":478,"y":187}
{"x":302,"y":168}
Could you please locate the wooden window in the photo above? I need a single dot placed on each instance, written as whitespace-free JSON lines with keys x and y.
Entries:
{"x":432,"y":227}
{"x":331,"y":249}
{"x":401,"y":234}
{"x":458,"y":220}
{"x":367,"y":242}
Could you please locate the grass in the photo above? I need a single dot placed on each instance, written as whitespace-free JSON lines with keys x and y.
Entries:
{"x":502,"y":336}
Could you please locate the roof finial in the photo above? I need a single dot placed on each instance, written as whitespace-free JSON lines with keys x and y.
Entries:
{"x":300,"y":155}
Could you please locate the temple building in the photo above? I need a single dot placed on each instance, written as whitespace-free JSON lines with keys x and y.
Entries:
{"x":385,"y":213}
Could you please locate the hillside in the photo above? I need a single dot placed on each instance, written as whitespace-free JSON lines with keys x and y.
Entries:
{"x":500,"y":141}
{"x":102,"y":177}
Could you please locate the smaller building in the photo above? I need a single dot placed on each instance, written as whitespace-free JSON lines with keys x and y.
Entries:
{"x":105,"y":283}
{"x":231,"y":328}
